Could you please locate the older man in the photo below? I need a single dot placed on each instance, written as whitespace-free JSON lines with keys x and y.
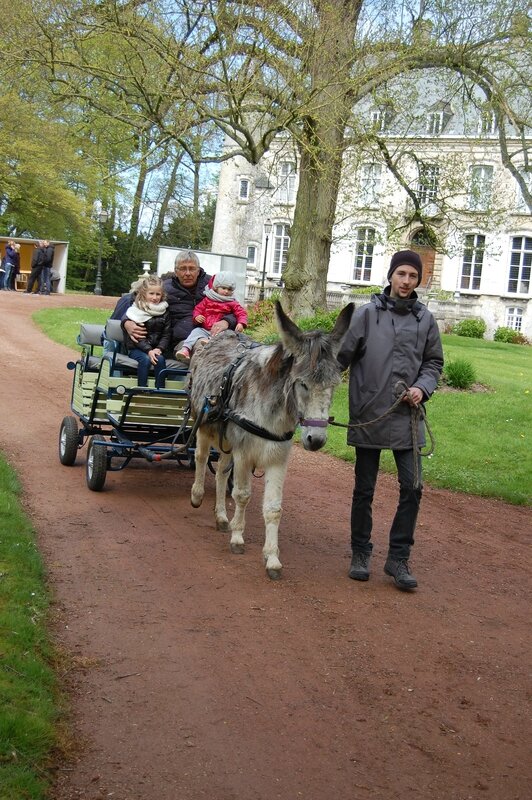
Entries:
{"x":184,"y":290}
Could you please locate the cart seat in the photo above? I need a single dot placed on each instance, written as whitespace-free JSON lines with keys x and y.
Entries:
{"x":122,"y":363}
{"x":89,"y":337}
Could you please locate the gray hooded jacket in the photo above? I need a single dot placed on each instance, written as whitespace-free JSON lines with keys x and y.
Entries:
{"x":387,"y":342}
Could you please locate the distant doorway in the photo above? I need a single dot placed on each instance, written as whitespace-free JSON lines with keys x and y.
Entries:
{"x":427,"y":255}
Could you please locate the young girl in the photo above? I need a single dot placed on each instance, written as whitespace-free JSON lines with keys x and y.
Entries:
{"x":217,"y":303}
{"x":151,"y":310}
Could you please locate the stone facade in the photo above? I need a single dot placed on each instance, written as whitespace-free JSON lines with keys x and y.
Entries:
{"x":482,"y":267}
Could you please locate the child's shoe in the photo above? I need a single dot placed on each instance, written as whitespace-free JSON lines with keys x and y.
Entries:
{"x":183,"y":356}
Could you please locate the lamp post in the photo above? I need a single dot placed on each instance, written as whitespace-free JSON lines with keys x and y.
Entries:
{"x":103,"y":216}
{"x":267,"y":231}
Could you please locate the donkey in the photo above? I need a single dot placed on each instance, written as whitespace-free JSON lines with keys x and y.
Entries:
{"x":249,"y":399}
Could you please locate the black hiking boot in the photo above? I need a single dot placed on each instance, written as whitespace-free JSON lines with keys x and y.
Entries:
{"x":399,"y":570}
{"x":359,"y":569}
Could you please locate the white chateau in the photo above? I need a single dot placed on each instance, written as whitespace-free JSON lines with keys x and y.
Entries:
{"x":447,"y":150}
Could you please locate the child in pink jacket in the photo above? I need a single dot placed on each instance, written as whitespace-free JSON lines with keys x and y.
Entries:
{"x":217,"y":303}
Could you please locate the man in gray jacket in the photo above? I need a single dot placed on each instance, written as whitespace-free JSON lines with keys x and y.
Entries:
{"x":392,"y":347}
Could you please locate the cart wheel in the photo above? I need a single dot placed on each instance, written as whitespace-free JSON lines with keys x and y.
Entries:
{"x":68,"y":441}
{"x":96,"y":464}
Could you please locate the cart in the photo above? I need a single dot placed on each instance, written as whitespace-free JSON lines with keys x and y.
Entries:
{"x":120,"y":420}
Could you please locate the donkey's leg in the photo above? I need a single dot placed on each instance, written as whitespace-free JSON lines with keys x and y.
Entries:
{"x":201,"y":455}
{"x":241,"y":494}
{"x":223,"y":469}
{"x":272,"y":509}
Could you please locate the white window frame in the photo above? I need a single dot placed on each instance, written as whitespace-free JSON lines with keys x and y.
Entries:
{"x":363,"y":254}
{"x":252,"y":263}
{"x":428,"y":183}
{"x":514,"y":318}
{"x":280,"y":243}
{"x":487,"y":123}
{"x":244,"y":189}
{"x":472,"y":261}
{"x":381,"y":119}
{"x":481,"y":186}
{"x":437,"y":122}
{"x":287,"y":183}
{"x":521,"y":205}
{"x":370,"y":184}
{"x":520,"y":264}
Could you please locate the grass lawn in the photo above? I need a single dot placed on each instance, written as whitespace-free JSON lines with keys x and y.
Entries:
{"x":28,"y":687}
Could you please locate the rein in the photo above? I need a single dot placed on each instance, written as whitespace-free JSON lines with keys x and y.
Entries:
{"x":417,"y":414}
{"x":218,"y":411}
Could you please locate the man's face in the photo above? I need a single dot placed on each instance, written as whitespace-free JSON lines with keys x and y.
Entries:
{"x":187,"y":273}
{"x":403,"y":281}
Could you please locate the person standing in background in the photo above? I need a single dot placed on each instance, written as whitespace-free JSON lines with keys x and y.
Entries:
{"x":47,"y":263}
{"x":37,"y":263}
{"x":12,"y":265}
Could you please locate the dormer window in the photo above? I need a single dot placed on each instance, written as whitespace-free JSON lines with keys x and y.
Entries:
{"x":381,"y":119}
{"x":244,"y":188}
{"x":487,"y":123}
{"x":438,"y":118}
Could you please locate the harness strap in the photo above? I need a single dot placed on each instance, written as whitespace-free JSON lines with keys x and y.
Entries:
{"x":250,"y":427}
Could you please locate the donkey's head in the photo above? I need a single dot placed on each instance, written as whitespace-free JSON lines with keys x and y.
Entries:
{"x":314,"y":373}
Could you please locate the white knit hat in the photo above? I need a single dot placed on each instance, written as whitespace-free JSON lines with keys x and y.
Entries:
{"x":225,"y":279}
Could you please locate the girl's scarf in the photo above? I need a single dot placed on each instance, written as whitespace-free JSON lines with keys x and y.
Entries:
{"x":140,"y":316}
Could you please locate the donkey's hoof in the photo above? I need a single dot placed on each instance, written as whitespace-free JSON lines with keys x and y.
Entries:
{"x":237,"y":548}
{"x":222,"y":525}
{"x":274,"y":574}
{"x":196,"y":499}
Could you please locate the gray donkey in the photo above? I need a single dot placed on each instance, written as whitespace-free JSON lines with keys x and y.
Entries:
{"x":249,"y":400}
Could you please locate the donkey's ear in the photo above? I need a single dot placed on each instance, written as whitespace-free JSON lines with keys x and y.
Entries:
{"x":342,"y":324}
{"x":290,"y":333}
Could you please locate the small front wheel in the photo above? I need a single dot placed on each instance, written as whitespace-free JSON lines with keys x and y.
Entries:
{"x":96,"y":464}
{"x":68,"y":441}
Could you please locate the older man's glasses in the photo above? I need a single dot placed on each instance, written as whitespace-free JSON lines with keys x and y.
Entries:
{"x":189,"y":270}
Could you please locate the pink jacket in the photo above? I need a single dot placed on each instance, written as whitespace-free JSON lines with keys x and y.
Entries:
{"x":215,"y":310}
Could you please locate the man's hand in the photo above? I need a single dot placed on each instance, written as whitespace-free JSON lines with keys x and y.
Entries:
{"x":414,"y":396}
{"x":135,"y":331}
{"x":218,"y":327}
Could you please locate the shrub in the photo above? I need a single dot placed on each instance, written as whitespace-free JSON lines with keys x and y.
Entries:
{"x":472,"y":328}
{"x":460,"y":374}
{"x":510,"y":336}
{"x":321,"y":320}
{"x":366,"y":290}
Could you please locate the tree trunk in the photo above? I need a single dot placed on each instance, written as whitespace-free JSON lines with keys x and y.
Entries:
{"x":322,"y":145}
{"x":305,"y":276}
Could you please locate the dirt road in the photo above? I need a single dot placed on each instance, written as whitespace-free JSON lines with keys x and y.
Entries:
{"x":196,"y":677}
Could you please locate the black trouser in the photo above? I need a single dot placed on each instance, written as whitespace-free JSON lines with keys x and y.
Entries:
{"x":35,"y":275}
{"x":404,"y":522}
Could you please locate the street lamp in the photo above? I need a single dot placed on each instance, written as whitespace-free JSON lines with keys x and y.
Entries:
{"x":267,"y":231}
{"x":103,"y":216}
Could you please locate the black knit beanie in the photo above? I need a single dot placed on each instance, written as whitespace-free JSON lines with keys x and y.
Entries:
{"x":406,"y":257}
